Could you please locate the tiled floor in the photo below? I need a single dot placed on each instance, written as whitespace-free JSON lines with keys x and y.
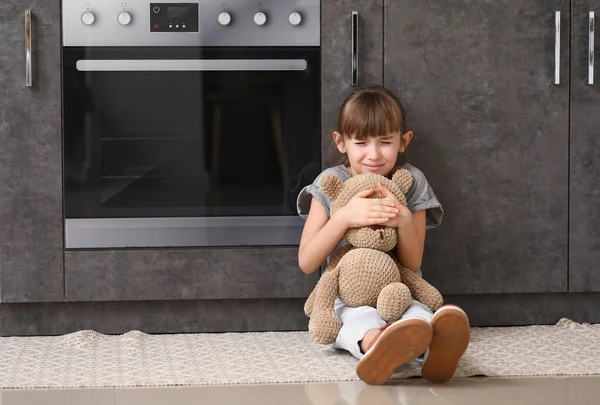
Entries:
{"x":488,"y":391}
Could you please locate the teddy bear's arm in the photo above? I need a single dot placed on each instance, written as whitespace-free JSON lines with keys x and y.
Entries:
{"x":335,"y":259}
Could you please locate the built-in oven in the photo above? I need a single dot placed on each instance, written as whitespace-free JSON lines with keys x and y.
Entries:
{"x":188,"y":124}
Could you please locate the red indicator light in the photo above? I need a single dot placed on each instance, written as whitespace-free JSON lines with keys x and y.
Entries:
{"x":155,"y":25}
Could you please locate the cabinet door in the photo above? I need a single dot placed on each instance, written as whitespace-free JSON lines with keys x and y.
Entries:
{"x":337,"y":57}
{"x":584,"y":227}
{"x":31,"y":237}
{"x":491,"y":135}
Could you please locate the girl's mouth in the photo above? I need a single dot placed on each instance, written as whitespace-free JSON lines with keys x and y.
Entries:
{"x":373,"y":167}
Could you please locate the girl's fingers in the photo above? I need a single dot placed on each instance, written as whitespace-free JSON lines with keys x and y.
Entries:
{"x":387,"y":210}
{"x":383,"y":214}
{"x":382,"y":201}
{"x":377,"y":221}
{"x":385,"y":207}
{"x":365,"y":193}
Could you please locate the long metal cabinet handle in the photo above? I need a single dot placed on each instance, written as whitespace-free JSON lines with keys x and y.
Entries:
{"x":557,"y":48}
{"x":355,"y":48}
{"x":591,"y":49}
{"x":28,"y":73}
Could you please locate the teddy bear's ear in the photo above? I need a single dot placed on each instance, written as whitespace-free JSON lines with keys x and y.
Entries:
{"x":331,"y":185}
{"x":403,"y":179}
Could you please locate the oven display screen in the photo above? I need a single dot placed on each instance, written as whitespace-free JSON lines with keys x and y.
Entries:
{"x":173,"y":12}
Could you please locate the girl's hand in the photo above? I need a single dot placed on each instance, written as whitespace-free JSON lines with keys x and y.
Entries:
{"x":404,"y":215}
{"x":364,"y":211}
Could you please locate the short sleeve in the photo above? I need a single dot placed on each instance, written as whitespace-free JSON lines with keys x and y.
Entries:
{"x":314,"y":190}
{"x":305,"y":198}
{"x":421,"y":197}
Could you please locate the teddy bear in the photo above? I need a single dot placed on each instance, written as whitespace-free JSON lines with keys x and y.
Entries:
{"x":365,"y":271}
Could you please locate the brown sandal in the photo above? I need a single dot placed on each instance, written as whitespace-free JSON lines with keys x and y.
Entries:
{"x":395,"y":345}
{"x":450,"y":340}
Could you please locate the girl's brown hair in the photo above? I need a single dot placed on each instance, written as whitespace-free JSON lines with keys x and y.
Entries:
{"x":371,"y":111}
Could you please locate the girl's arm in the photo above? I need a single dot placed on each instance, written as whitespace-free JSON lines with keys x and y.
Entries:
{"x":319,"y":237}
{"x":411,"y":239}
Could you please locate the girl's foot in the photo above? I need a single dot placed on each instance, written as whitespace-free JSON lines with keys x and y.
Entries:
{"x":450,"y":340}
{"x":397,"y":344}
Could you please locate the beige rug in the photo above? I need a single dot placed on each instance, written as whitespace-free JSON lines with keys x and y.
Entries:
{"x":90,"y":359}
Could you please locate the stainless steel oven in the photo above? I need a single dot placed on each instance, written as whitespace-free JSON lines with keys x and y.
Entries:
{"x":188,"y":123}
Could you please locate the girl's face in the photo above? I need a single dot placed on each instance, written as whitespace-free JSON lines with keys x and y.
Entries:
{"x":375,"y":154}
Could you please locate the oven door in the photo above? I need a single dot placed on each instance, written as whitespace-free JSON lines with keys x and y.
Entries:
{"x":188,"y":146}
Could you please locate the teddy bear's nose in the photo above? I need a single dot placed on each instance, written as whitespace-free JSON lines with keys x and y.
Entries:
{"x":378,"y":229}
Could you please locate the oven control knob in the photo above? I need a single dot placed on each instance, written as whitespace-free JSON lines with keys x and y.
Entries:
{"x":124,"y":18}
{"x":260,"y":18}
{"x":295,"y":18}
{"x":224,"y":18}
{"x":88,"y":18}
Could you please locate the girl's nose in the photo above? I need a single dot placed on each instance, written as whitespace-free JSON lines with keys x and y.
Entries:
{"x":373,"y":153}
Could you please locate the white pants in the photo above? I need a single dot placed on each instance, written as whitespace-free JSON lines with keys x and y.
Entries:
{"x":357,"y":321}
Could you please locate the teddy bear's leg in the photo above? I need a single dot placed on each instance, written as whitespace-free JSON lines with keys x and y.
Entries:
{"x":324,"y":325}
{"x":423,"y":292}
{"x":393,"y":300}
{"x":310,"y":301}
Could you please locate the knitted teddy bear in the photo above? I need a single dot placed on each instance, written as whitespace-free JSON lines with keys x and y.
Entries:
{"x":364,"y":271}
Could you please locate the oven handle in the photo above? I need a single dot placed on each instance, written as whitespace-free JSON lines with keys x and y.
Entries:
{"x":162,"y":65}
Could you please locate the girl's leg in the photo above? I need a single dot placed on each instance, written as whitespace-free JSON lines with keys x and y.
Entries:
{"x":364,"y":323}
{"x":356,"y":322}
{"x":417,"y":310}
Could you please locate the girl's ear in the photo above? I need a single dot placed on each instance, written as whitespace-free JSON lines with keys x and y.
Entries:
{"x":405,"y":139}
{"x":338,"y":139}
{"x":331,"y":185}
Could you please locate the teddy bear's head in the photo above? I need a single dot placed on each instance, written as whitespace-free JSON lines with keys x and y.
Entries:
{"x":375,"y":237}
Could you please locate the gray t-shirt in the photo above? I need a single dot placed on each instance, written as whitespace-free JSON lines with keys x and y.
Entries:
{"x":420,"y":196}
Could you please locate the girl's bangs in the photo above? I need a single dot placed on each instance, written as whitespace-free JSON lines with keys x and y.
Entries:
{"x":370,"y":116}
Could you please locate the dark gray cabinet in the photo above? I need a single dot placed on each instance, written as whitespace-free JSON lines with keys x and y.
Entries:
{"x":186,"y":274}
{"x":31,"y":236}
{"x":584,"y":229}
{"x":337,"y":56}
{"x":491,"y":134}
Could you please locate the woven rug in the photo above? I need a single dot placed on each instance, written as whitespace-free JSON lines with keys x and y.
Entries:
{"x":91,"y":359}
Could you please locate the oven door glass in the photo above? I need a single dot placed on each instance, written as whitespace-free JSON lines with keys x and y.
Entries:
{"x":189,"y":132}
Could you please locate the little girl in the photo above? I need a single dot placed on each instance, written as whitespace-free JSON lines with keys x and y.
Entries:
{"x":371,"y":133}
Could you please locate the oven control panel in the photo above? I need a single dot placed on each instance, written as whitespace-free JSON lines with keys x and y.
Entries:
{"x":197,"y":23}
{"x":174,"y":17}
